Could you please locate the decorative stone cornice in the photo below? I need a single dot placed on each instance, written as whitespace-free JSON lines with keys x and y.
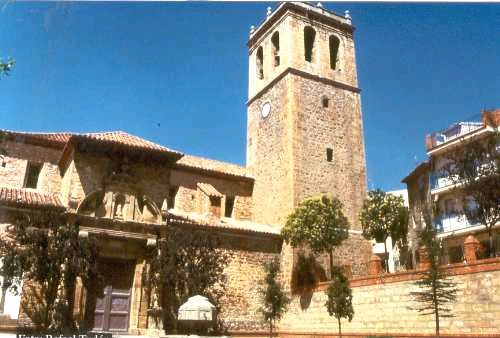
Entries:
{"x":295,"y":71}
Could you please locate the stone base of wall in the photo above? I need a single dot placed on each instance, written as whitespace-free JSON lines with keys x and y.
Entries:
{"x":263,"y":334}
{"x":383,"y":306}
{"x":7,"y":324}
{"x":379,"y":335}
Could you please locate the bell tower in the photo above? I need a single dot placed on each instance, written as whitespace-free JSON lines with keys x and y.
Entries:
{"x":304,"y":131}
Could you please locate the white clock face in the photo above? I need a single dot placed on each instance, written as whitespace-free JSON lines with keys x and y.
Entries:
{"x":265,"y":110}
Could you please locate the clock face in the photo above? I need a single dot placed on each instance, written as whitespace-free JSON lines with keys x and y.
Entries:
{"x":265,"y":110}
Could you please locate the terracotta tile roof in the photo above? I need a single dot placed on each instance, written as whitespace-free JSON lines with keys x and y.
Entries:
{"x":195,"y":162}
{"x":122,"y":138}
{"x":209,"y":190}
{"x":113,"y":139}
{"x":21,"y":197}
{"x":126,"y":139}
{"x":51,"y":139}
{"x":181,"y":217}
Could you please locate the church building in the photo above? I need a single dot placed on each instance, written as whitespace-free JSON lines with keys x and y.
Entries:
{"x":304,"y":138}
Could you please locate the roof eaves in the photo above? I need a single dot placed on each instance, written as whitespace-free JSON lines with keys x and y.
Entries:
{"x":31,"y":199}
{"x":420,"y":167}
{"x":174,"y":219}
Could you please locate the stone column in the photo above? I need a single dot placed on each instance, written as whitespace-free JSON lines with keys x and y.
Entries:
{"x":425,"y":262}
{"x":135,"y":306}
{"x":375,"y":265}
{"x":80,"y":299}
{"x":471,"y":244}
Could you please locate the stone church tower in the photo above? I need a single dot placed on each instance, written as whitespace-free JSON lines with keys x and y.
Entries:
{"x":305,"y":134}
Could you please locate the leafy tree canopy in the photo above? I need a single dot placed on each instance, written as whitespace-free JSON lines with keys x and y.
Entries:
{"x":183,"y":264}
{"x":475,"y":169}
{"x":318,"y":223}
{"x":44,"y":252}
{"x":6,"y":66}
{"x":384,"y":215}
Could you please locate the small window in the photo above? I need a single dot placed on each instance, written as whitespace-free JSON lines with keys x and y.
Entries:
{"x":228,"y":211}
{"x":275,"y":40}
{"x":309,"y":37}
{"x":260,"y":63}
{"x":334,"y":50}
{"x":32,"y":173}
{"x":172,"y":192}
{"x":329,"y":154}
{"x":325,"y":102}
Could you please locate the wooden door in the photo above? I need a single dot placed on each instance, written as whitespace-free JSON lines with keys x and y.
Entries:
{"x":112,"y":305}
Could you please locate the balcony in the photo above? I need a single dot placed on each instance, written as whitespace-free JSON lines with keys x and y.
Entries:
{"x":453,"y":222}
{"x":487,"y":120}
{"x":454,"y":131}
{"x":440,"y":179}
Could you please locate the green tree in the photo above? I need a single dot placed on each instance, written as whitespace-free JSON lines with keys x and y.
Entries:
{"x":44,"y":252}
{"x":437,"y":290}
{"x":274,"y":298}
{"x":339,"y":302}
{"x":318,"y":223}
{"x":183,"y":264}
{"x":475,"y":169}
{"x":384,"y":215}
{"x":6,"y":66}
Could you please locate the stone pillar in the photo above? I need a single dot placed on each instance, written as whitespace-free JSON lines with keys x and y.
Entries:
{"x":375,"y":265}
{"x":424,"y":262}
{"x":471,"y":244}
{"x":80,"y":299}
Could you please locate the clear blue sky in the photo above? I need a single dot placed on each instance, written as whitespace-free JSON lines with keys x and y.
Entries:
{"x":176,"y":73}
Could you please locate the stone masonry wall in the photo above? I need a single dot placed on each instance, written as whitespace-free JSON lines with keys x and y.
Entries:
{"x":243,"y":299}
{"x":338,"y":127}
{"x":13,"y":172}
{"x":385,"y":307}
{"x":187,"y":198}
{"x":269,"y":155}
{"x":354,"y":253}
{"x":291,"y":35}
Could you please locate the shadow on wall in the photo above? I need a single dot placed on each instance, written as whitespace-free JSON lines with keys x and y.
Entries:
{"x":306,"y":275}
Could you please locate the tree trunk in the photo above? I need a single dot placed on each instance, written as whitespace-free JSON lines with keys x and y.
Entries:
{"x":340,"y":328}
{"x":331,"y":264}
{"x":386,"y":256}
{"x":270,"y":328}
{"x":436,"y":308}
{"x":69,"y":295}
{"x":492,"y":248}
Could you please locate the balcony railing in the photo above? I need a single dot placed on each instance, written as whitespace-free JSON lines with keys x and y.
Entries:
{"x":454,"y":131}
{"x":453,"y":222}
{"x":440,"y":179}
{"x":489,"y":118}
